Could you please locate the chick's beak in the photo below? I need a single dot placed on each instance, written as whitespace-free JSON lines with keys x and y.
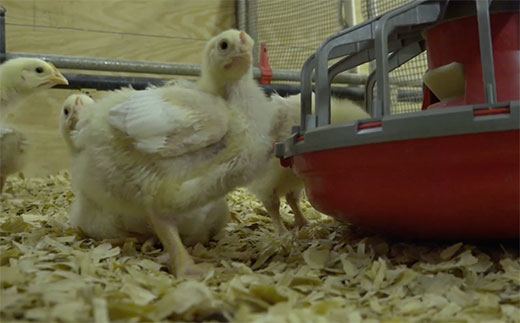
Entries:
{"x":72,"y":121}
{"x":245,"y":58}
{"x":58,"y":78}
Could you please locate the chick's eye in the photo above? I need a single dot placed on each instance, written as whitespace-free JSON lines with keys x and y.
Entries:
{"x":223,"y":45}
{"x":39,"y":70}
{"x":66,"y":112}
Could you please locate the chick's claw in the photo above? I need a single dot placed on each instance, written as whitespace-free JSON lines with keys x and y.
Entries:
{"x":116,"y":242}
{"x":148,"y":245}
{"x":272,"y":205}
{"x":191,"y":270}
{"x":180,"y":262}
{"x":186,"y":268}
{"x":279,"y":228}
{"x":293,"y":199}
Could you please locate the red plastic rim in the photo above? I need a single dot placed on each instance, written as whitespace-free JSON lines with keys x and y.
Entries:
{"x":464,"y":186}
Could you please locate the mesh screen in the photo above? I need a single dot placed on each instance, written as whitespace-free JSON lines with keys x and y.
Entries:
{"x":293,"y":29}
{"x":404,"y":98}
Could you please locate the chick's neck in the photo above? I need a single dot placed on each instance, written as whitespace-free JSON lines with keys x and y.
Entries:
{"x":217,"y":84}
{"x":11,"y":90}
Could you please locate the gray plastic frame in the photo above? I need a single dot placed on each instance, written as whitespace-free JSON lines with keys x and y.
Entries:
{"x":398,"y":33}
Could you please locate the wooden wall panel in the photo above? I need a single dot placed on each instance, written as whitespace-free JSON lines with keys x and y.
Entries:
{"x":170,"y":30}
{"x":157,"y":30}
{"x":82,"y":43}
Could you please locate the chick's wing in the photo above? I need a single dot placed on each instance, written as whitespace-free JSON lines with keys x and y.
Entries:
{"x":161,"y":122}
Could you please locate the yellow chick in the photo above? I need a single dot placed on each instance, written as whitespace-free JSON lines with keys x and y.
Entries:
{"x":19,"y":78}
{"x":227,"y":59}
{"x":69,"y":117}
{"x":12,"y":148}
{"x":100,"y":224}
{"x":231,"y":48}
{"x":157,"y":155}
{"x":276,"y":181}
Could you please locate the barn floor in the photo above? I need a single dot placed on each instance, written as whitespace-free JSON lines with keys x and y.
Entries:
{"x":327,"y":272}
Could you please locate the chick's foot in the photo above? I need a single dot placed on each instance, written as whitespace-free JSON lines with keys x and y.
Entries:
{"x":191,"y":270}
{"x":148,"y":244}
{"x":293,"y":199}
{"x":180,"y":262}
{"x":272,"y":205}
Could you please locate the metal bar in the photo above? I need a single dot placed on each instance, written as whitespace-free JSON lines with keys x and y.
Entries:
{"x":371,"y":13}
{"x":114,"y":65}
{"x":289,"y":75}
{"x":149,"y":67}
{"x":241,"y":14}
{"x":2,"y":34}
{"x":112,"y":82}
{"x":109,"y":82}
{"x":409,"y":96}
{"x":252,"y":23}
{"x":346,"y":17}
{"x":486,"y":51}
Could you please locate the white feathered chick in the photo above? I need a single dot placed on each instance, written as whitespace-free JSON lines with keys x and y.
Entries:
{"x":276,"y":181}
{"x":150,"y":158}
{"x":12,"y":148}
{"x":19,"y":78}
{"x":69,"y":117}
{"x":212,"y":217}
{"x":273,"y":181}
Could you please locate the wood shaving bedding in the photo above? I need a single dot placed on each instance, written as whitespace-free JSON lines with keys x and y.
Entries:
{"x":326,"y":272}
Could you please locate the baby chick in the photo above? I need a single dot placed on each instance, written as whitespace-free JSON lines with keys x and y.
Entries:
{"x":276,"y":181}
{"x":273,"y":181}
{"x":12,"y":157}
{"x":101,"y":225}
{"x":69,"y":117}
{"x":19,"y":78}
{"x":157,"y":155}
{"x":226,"y":61}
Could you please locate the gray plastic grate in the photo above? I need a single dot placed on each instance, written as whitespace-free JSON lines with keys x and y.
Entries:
{"x":404,"y":98}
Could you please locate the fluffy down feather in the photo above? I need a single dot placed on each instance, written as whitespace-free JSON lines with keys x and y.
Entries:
{"x":276,"y":181}
{"x":158,"y":155}
{"x":198,"y":225}
{"x":69,"y":118}
{"x":12,"y":157}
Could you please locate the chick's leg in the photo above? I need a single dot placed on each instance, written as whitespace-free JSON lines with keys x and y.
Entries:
{"x":148,"y":244}
{"x":272,"y":205}
{"x":293,"y":199}
{"x":116,"y":242}
{"x":2,"y":182}
{"x":181,"y":262}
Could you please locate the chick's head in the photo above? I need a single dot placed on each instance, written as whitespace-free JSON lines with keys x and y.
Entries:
{"x":229,"y":55}
{"x":70,"y":110}
{"x":29,"y":74}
